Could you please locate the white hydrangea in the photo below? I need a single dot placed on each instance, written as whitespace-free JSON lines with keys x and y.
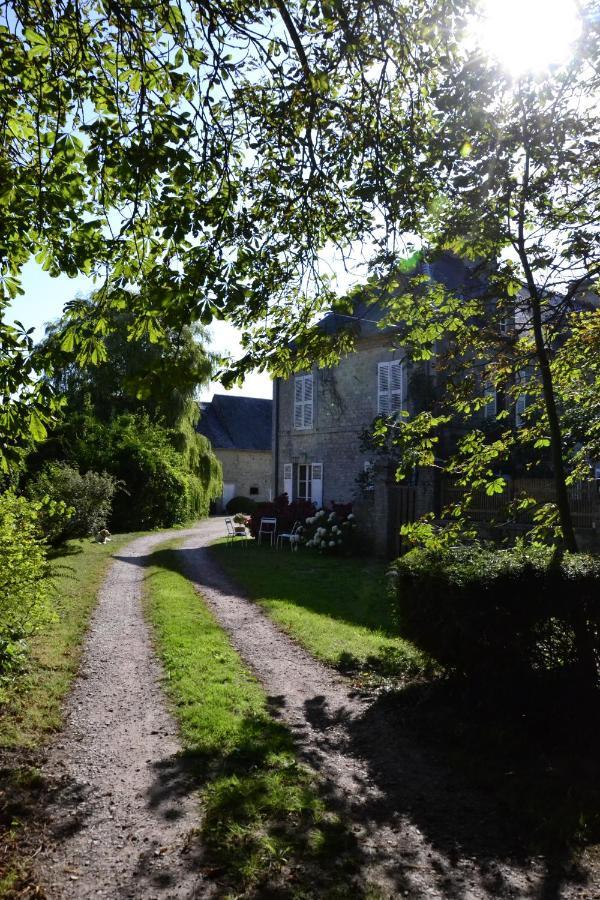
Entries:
{"x":320,"y":513}
{"x":350,"y":517}
{"x":332,"y":517}
{"x":332,"y":543}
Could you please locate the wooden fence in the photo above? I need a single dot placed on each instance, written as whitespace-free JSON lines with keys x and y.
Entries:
{"x":403,"y":508}
{"x":583,"y":500}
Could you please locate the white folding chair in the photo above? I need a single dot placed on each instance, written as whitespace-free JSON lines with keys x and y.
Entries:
{"x":232,"y":533}
{"x":268,"y":528}
{"x":292,"y":536}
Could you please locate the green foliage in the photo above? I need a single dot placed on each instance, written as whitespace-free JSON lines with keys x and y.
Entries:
{"x":499,"y":614}
{"x":241,"y":505}
{"x":157,"y":487}
{"x":24,"y":579}
{"x":72,"y":505}
{"x":133,"y":414}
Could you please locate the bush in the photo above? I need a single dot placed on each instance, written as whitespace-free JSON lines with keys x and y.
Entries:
{"x":24,"y":579}
{"x":331,"y":532}
{"x":241,"y":505}
{"x":159,"y":489}
{"x":285,"y":512}
{"x":74,"y":505}
{"x":486,"y":612}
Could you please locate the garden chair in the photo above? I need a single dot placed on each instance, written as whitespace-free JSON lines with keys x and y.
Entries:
{"x":292,"y":536}
{"x":233,"y":532}
{"x":268,"y":528}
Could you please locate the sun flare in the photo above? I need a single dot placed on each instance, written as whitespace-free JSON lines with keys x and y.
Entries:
{"x":528,"y":35}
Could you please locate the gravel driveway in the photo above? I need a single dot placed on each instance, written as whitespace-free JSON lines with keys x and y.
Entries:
{"x":122,"y":808}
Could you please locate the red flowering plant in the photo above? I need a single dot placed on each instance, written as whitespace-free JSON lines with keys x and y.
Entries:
{"x":285,"y":512}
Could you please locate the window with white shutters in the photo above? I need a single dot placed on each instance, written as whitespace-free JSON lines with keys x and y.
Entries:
{"x":390,"y":387}
{"x":303,"y":402}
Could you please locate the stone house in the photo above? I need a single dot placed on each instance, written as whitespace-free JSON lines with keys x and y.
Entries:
{"x":319,"y":415}
{"x":239,"y":429}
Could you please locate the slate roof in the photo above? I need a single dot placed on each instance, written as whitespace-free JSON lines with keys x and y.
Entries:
{"x":466,"y":279}
{"x":237,"y":423}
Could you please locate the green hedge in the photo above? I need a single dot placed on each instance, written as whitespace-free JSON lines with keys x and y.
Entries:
{"x":24,"y":579}
{"x":241,"y":505}
{"x":488,"y":613}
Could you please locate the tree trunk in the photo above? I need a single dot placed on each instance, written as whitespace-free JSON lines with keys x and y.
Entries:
{"x":562,"y":497}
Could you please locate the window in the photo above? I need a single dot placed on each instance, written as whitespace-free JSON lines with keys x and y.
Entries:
{"x":304,"y":483}
{"x":310,"y":483}
{"x":520,"y":407}
{"x":390,"y":378}
{"x":303,"y":402}
{"x":253,"y":491}
{"x":490,"y":408}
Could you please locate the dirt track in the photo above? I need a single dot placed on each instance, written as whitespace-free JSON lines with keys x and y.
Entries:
{"x":122,"y":807}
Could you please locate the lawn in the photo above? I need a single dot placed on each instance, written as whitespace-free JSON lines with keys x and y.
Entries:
{"x":265,"y":830}
{"x":336,"y":608}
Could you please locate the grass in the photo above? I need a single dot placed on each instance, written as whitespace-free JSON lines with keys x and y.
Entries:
{"x":265,"y":830}
{"x":32,"y":703}
{"x":336,"y":608}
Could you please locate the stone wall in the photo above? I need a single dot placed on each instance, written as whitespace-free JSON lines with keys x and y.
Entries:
{"x":345,"y":403}
{"x":247,"y":469}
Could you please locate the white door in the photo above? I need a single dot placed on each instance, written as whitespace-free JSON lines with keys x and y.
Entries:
{"x":316,"y":477}
{"x":288,"y":481}
{"x":228,"y":492}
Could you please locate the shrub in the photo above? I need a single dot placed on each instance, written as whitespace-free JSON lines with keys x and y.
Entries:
{"x":285,"y":512}
{"x":75,"y":505}
{"x":159,"y":489}
{"x":330,"y":532}
{"x":24,"y":579}
{"x":241,"y":505}
{"x":487,"y":612}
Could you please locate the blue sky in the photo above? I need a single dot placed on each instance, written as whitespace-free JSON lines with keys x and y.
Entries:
{"x":45,"y":297}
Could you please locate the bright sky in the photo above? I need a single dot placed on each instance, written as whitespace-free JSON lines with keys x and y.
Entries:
{"x":528,"y":35}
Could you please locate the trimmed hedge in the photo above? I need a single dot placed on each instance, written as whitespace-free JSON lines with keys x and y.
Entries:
{"x":241,"y":505}
{"x":486,"y":612}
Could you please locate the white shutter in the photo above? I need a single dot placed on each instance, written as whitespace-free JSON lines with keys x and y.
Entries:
{"x":308,"y":401}
{"x":316,"y":475}
{"x":396,"y":379}
{"x":298,"y":404}
{"x":520,"y":409}
{"x":288,"y":481}
{"x":489,"y":410}
{"x":390,"y":387}
{"x":383,"y":389}
{"x":303,"y":402}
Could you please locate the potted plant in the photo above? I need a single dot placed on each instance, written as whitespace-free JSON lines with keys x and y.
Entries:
{"x":240,"y":521}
